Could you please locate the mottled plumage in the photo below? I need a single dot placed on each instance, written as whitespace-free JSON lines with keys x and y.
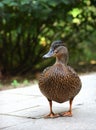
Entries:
{"x":59,"y":82}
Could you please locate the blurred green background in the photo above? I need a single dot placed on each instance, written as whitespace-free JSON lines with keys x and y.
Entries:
{"x":28,"y":27}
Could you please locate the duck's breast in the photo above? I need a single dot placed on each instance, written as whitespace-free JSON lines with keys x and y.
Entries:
{"x":59,"y":83}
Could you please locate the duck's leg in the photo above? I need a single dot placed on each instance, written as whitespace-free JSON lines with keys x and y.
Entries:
{"x":51,"y":114}
{"x":68,"y":113}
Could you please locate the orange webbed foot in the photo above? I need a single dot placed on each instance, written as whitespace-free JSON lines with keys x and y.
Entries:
{"x":52,"y":115}
{"x":66,"y":114}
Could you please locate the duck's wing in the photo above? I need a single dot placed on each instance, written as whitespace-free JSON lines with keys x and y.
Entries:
{"x":74,"y":78}
{"x":70,"y":69}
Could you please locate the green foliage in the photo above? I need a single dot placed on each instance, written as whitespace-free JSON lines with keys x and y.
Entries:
{"x":26,"y":82}
{"x":15,"y":83}
{"x":27,"y":27}
{"x":1,"y":85}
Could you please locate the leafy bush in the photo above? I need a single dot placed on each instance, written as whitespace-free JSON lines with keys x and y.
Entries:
{"x":27,"y":27}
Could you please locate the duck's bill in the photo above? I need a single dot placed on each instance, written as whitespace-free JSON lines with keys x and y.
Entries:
{"x":49,"y":54}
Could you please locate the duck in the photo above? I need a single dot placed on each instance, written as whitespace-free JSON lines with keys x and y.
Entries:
{"x":59,"y":82}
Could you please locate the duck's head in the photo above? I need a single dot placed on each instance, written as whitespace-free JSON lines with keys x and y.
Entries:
{"x":58,"y":50}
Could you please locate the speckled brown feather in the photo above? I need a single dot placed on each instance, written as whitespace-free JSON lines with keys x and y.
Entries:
{"x":59,"y":83}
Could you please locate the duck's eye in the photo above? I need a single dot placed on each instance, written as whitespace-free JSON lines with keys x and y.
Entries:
{"x":56,"y":46}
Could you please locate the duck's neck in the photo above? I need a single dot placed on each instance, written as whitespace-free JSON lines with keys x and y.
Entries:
{"x":62,"y":60}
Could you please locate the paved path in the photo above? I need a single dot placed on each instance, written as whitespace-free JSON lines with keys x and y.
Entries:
{"x":17,"y":105}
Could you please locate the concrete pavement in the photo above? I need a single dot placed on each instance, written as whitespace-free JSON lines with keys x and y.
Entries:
{"x":17,"y":105}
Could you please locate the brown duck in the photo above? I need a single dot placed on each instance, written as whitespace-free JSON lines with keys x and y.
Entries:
{"x":59,"y":82}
